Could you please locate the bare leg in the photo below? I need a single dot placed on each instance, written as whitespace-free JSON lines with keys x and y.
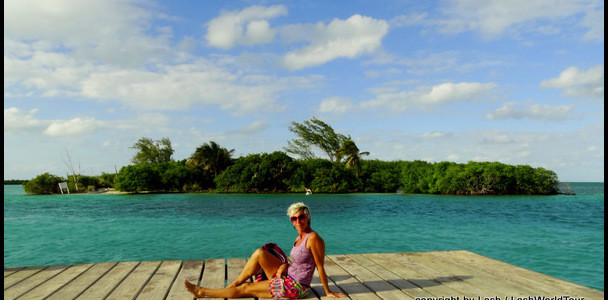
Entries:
{"x":260,"y":258}
{"x":250,"y":289}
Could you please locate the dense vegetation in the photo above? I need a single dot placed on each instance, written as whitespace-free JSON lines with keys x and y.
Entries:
{"x":277,"y":172}
{"x":211,"y":168}
{"x":15,"y":181}
{"x":49,"y":184}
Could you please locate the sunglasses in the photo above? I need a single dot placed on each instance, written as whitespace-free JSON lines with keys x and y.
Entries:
{"x":300,"y":217}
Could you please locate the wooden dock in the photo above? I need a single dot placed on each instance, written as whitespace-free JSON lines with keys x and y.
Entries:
{"x":409,"y":275}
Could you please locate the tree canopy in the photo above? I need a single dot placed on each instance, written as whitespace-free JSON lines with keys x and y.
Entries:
{"x":353,"y":157}
{"x":151,"y":151}
{"x":211,"y":157}
{"x":315,"y":133}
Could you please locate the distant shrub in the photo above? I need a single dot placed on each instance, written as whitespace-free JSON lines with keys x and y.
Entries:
{"x":106,"y":180}
{"x":43,"y":184}
{"x":267,"y":172}
{"x":85,"y":181}
{"x":138,"y":178}
{"x":477,"y":178}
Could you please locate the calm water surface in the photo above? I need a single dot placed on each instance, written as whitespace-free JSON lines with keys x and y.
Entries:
{"x":561,"y":235}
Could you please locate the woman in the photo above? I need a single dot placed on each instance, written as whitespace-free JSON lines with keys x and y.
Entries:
{"x":288,"y":280}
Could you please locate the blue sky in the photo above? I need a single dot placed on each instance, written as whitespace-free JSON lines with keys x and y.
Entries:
{"x":519,"y":82}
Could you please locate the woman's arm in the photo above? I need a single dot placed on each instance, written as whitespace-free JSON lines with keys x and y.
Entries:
{"x":281,"y":271}
{"x":317,"y":246}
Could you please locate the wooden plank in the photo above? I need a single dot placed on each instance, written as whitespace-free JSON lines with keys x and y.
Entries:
{"x":11,"y":270}
{"x":317,"y":286}
{"x":349,"y":284}
{"x":382,"y":288}
{"x":130,"y":287}
{"x":109,"y":281}
{"x":22,"y":274}
{"x":53,"y":284}
{"x":33,"y":281}
{"x":498,"y":284}
{"x":407,"y":287}
{"x":362,"y":276}
{"x":158,"y":286}
{"x":465,"y":281}
{"x":404,"y":271}
{"x":536,"y":279}
{"x":478,"y":275}
{"x":82,"y":282}
{"x":191,"y":270}
{"x":214,"y":274}
{"x":234,"y":266}
{"x":449,"y":285}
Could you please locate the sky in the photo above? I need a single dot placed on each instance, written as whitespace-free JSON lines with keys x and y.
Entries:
{"x":518,"y":82}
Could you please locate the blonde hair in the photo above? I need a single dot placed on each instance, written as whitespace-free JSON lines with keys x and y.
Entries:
{"x":296,"y":207}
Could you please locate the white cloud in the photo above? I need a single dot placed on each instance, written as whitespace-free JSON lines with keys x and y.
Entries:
{"x":116,"y":32}
{"x":181,"y":86}
{"x":16,"y":121}
{"x":435,"y":135}
{"x":336,"y":105}
{"x":252,"y":128}
{"x":246,"y":27}
{"x":424,"y":97}
{"x":142,"y":123}
{"x":594,"y":20}
{"x":575,"y":82}
{"x":409,"y":20}
{"x":494,"y":17}
{"x":451,"y":92}
{"x":52,"y":73}
{"x":73,"y":127}
{"x":532,"y":110}
{"x":350,"y":38}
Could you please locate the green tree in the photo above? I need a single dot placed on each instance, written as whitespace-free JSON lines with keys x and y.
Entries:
{"x":150,"y":151}
{"x":315,"y":133}
{"x":211,"y":157}
{"x":138,"y":178}
{"x":353,"y":157}
{"x":331,"y":177}
{"x":87,"y":181}
{"x":380,"y":176}
{"x":175,"y":175}
{"x":106,"y":180}
{"x":546,"y":182}
{"x":43,"y":184}
{"x":267,"y":172}
{"x":416,"y":177}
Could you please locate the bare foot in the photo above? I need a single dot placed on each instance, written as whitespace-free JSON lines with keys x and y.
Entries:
{"x":196,"y":290}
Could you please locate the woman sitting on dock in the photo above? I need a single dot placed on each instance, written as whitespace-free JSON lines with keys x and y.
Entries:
{"x":287,"y":280}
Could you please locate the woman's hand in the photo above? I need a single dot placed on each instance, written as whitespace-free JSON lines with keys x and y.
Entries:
{"x":281,"y":271}
{"x":335,"y":295}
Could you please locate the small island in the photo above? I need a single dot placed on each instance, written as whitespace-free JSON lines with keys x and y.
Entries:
{"x":211,"y":168}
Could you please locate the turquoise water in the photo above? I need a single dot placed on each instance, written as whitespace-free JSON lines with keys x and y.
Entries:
{"x":561,"y":235}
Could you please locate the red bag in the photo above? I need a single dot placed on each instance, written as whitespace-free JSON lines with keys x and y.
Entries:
{"x":273,"y":249}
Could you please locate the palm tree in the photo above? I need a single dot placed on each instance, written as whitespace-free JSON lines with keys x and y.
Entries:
{"x":350,"y":150}
{"x":211,"y":157}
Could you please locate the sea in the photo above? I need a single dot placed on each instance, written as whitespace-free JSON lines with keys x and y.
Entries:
{"x":560,"y":235}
